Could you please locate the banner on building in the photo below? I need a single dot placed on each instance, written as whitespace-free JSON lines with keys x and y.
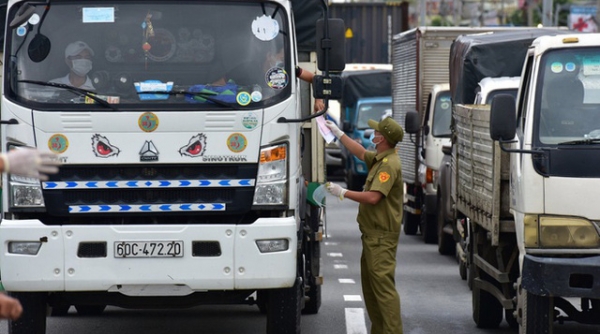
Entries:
{"x":583,"y":18}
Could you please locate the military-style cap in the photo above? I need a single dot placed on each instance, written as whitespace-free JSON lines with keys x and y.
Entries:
{"x":389,"y":129}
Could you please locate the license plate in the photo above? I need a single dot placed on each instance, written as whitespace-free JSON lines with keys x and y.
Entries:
{"x":137,"y":249}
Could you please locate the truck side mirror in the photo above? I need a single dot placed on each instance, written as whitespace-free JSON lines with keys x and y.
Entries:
{"x":334,"y":42}
{"x":447,"y":149}
{"x":503,"y":119}
{"x":412,"y":122}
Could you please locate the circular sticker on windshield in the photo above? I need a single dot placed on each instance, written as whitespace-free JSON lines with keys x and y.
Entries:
{"x":265,"y":28}
{"x":570,"y":66}
{"x":34,"y":19}
{"x":21,"y":31}
{"x":243,"y":98}
{"x":58,"y":143}
{"x":556,"y":67}
{"x":277,"y":78}
{"x":445,"y":105}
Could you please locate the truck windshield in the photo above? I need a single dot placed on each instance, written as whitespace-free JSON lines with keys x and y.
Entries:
{"x":442,"y":115}
{"x":568,"y":97}
{"x":183,"y":55}
{"x":372,"y":111}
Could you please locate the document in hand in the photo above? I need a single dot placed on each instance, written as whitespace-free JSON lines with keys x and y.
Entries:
{"x":324,"y":130}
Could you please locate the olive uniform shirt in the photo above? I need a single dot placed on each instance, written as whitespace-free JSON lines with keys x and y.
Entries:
{"x":385,"y":176}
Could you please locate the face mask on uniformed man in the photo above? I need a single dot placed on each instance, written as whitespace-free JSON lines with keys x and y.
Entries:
{"x":372,"y":139}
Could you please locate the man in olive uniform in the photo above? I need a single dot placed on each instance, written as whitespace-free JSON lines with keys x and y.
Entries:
{"x":379,"y":219}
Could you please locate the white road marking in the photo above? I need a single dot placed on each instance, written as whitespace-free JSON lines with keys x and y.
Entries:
{"x":330,"y":243}
{"x":346,"y":281}
{"x":355,"y":321}
{"x":352,"y":298}
{"x":340,"y":266}
{"x":335,"y":254}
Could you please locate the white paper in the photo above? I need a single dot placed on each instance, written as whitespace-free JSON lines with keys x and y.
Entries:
{"x":324,"y":130}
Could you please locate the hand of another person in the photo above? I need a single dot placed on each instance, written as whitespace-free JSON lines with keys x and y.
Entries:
{"x":10,"y":308}
{"x":319,"y":105}
{"x":336,"y":190}
{"x":30,"y":162}
{"x":334,"y":128}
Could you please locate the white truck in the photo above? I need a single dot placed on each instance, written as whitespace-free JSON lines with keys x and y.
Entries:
{"x":420,"y":60}
{"x":527,"y":182}
{"x":174,"y":191}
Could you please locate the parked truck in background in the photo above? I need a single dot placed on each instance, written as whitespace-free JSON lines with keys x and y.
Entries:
{"x":174,"y":191}
{"x":420,"y":60}
{"x":527,"y":182}
{"x":365,"y":95}
{"x":481,"y":66}
{"x":333,"y":152}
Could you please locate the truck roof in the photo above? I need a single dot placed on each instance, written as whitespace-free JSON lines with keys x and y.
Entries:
{"x":360,"y":84}
{"x":496,"y":54}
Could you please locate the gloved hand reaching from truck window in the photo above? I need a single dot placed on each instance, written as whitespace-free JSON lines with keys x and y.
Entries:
{"x":30,"y":163}
{"x":336,"y":190}
{"x":335,"y":129}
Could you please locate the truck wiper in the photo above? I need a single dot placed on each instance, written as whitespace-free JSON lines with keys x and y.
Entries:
{"x":80,"y":91}
{"x":205,"y":95}
{"x":587,"y":141}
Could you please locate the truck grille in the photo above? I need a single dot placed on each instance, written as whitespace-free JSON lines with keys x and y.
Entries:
{"x":150,"y":189}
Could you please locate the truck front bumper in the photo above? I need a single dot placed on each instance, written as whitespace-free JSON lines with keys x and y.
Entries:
{"x":59,"y":266}
{"x":564,"y":277}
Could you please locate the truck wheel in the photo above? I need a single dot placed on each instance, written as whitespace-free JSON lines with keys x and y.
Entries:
{"x":90,"y":310}
{"x":487,"y":310}
{"x":33,"y":319}
{"x":539,"y":317}
{"x":284,"y":310}
{"x":446,"y":244}
{"x":462,"y":269}
{"x":312,"y":305}
{"x":428,"y":226}
{"x":410,"y":222}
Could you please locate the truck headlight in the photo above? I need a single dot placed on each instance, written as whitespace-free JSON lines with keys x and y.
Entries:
{"x":563,"y":232}
{"x":271,"y":181}
{"x":25,"y":192}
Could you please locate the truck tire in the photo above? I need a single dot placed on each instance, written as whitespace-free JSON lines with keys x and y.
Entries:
{"x":446,"y":244}
{"x":539,"y":315}
{"x":312,"y":305}
{"x":410,"y":222}
{"x":487,"y":310}
{"x":33,"y":318}
{"x":428,"y":226}
{"x":284,"y":310}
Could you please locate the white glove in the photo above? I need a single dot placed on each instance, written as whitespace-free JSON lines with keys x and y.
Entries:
{"x":334,"y":128}
{"x":30,"y":163}
{"x":336,"y":190}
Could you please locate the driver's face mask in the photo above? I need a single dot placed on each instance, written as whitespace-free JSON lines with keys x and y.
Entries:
{"x":82,"y":67}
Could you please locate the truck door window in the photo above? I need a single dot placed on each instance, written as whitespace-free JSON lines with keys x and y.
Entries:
{"x":442,"y":115}
{"x":524,"y":95}
{"x":184,"y":55}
